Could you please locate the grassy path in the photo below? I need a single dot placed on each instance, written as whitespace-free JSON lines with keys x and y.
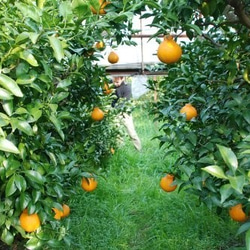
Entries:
{"x":128,"y":210}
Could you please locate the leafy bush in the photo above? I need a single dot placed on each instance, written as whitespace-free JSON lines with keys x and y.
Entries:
{"x":50,"y":82}
{"x":213,"y":149}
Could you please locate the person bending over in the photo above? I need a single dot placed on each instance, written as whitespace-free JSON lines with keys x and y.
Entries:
{"x":123,"y":93}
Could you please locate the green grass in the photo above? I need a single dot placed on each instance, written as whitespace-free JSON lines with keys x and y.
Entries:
{"x":128,"y":210}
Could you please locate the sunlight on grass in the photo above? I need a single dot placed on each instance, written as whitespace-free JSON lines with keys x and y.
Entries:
{"x":129,"y":210}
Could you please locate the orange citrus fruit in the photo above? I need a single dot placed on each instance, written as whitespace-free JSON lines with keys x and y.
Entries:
{"x":106,"y":89}
{"x":112,"y":150}
{"x":236,"y":213}
{"x":113,"y":57}
{"x":97,"y":114}
{"x":58,"y":213}
{"x":189,"y":111}
{"x":169,"y":51}
{"x":100,"y":45}
{"x":89,"y":184}
{"x":100,"y":9}
{"x":66,"y":210}
{"x":29,"y":222}
{"x":166,"y":183}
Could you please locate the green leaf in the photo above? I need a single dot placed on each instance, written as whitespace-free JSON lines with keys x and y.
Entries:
{"x":229,"y":157}
{"x":4,"y":119}
{"x":36,"y":87}
{"x":35,"y":113}
{"x":33,"y":243}
{"x":10,"y":85}
{"x":77,"y":3}
{"x":61,"y":158}
{"x":29,"y":11}
{"x":57,"y":48}
{"x":247,"y":116}
{"x":11,"y":167}
{"x":24,"y":200}
{"x":22,"y":149}
{"x":40,"y":3}
{"x":243,"y":228}
{"x":81,"y":9}
{"x":91,"y":149}
{"x":21,"y":111}
{"x":194,"y":27}
{"x":2,"y":219}
{"x":206,"y":160}
{"x":237,"y":182}
{"x":22,"y":37}
{"x":245,"y":152}
{"x":35,"y":176}
{"x":36,"y":194}
{"x":65,"y":11}
{"x":64,"y":115}
{"x":121,"y":18}
{"x":2,"y":133}
{"x":10,"y":187}
{"x":59,"y":96}
{"x":248,"y":239}
{"x":5,"y":95}
{"x":192,"y":138}
{"x":52,"y":157}
{"x":59,"y":191}
{"x":28,"y":57}
{"x":225,"y":191}
{"x":215,"y":171}
{"x":8,"y":146}
{"x":53,"y":107}
{"x":34,"y":37}
{"x":8,"y":106}
{"x":22,"y":69}
{"x":64,"y":83}
{"x":23,"y":126}
{"x":54,"y":243}
{"x":20,"y":183}
{"x":57,"y":125}
{"x":7,"y":237}
{"x":25,"y":79}
{"x":152,"y":4}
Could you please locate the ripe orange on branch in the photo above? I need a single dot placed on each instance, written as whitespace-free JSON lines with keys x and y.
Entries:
{"x":66,"y":210}
{"x":29,"y":222}
{"x":189,"y":110}
{"x":89,"y":184}
{"x":112,"y":150}
{"x":106,"y":89}
{"x":58,"y":213}
{"x":97,"y":114}
{"x":100,"y":45}
{"x":169,"y":51}
{"x":166,"y":183}
{"x":113,"y":57}
{"x":236,"y":213}
{"x":100,"y":10}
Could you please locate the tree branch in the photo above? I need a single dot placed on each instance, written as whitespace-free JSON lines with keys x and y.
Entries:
{"x":211,"y":40}
{"x":239,"y":10}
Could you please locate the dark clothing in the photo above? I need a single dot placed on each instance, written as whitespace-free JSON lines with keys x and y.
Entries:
{"x":123,"y":91}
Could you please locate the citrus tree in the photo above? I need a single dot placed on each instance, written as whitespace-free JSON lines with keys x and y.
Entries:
{"x":212,"y":147}
{"x":50,"y":85}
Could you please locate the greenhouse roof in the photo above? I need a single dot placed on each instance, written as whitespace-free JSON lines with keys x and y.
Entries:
{"x":138,"y":59}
